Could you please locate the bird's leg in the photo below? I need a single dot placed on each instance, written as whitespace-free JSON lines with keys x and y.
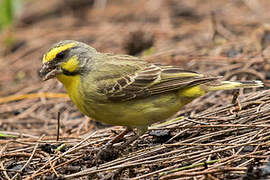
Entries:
{"x":119,"y":136}
{"x":140,"y":132}
{"x":130,"y":140}
{"x":107,"y":147}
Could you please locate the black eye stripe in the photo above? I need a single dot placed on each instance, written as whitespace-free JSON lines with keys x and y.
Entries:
{"x":60,"y":55}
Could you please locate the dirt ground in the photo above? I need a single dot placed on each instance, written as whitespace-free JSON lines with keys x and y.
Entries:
{"x":214,"y":137}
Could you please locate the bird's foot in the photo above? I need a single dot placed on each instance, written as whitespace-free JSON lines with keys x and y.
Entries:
{"x":108,"y":152}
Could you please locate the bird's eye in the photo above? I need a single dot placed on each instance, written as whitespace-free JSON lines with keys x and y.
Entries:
{"x":60,"y":55}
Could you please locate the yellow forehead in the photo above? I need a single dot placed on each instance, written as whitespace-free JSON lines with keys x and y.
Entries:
{"x":54,"y":51}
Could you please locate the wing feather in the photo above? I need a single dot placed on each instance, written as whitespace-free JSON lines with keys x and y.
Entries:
{"x":154,"y":80}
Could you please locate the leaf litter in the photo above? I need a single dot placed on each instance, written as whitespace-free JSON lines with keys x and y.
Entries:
{"x":223,"y":135}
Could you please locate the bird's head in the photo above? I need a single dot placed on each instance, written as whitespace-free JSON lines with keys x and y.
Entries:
{"x":68,"y":58}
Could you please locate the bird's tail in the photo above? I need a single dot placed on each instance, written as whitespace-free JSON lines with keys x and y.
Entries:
{"x":229,"y":85}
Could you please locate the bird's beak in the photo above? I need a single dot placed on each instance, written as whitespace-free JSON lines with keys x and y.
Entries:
{"x":48,"y":71}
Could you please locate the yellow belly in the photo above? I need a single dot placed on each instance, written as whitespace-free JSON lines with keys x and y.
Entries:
{"x":144,"y":112}
{"x":134,"y":113}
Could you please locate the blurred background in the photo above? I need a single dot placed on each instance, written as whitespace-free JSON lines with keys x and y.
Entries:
{"x":224,"y":37}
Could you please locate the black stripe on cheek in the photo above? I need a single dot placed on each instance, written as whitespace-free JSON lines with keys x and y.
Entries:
{"x":68,"y":73}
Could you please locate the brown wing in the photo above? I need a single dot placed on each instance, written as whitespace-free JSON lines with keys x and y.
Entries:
{"x":153,"y":80}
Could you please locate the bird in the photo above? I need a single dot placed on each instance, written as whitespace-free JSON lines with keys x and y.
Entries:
{"x":126,"y":90}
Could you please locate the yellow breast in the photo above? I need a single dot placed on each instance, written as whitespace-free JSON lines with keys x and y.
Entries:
{"x":73,"y":86}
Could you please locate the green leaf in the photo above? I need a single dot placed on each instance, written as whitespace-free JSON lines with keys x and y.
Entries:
{"x":8,"y":9}
{"x":3,"y":135}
